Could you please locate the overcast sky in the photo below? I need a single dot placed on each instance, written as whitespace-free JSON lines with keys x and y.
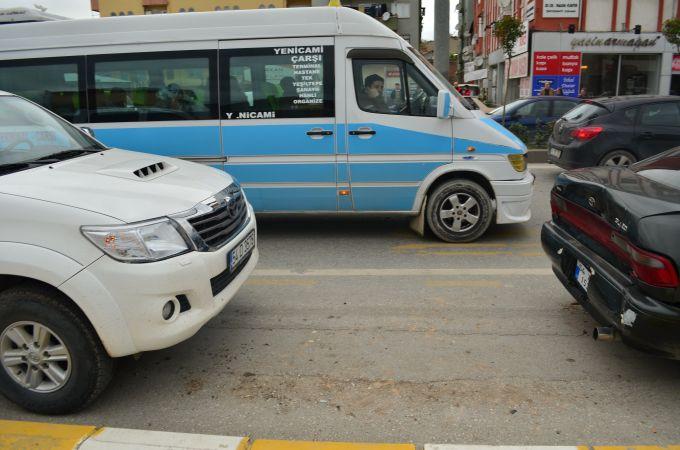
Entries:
{"x":81,"y":8}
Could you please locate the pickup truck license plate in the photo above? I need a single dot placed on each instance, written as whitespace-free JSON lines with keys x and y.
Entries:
{"x":239,"y":253}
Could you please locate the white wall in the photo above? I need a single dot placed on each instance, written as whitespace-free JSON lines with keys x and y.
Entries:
{"x":645,"y":13}
{"x":599,"y":15}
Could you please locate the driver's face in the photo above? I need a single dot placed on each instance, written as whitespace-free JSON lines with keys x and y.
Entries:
{"x":378,"y":86}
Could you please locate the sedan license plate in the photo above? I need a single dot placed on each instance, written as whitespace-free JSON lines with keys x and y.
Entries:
{"x":582,"y":275}
{"x":241,"y":251}
{"x":555,"y":152}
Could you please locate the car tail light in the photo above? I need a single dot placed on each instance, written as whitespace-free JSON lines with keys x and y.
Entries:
{"x":648,"y":267}
{"x":586,"y":133}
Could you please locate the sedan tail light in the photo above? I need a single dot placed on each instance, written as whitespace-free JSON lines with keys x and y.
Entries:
{"x":586,"y":133}
{"x":648,"y":267}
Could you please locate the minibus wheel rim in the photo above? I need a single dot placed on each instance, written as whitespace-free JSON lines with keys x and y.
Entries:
{"x":35,"y":357}
{"x":460,"y":212}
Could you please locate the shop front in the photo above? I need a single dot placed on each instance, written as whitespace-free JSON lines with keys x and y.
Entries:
{"x":602,"y":64}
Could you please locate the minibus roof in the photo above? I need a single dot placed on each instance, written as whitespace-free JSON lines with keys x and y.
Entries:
{"x":185,"y":27}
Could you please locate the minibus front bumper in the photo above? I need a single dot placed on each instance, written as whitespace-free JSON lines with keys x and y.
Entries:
{"x":513,"y":199}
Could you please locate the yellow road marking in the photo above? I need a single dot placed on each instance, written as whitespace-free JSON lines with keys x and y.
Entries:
{"x":635,"y":447}
{"x":468,"y":253}
{"x":261,"y":444}
{"x":464,"y":283}
{"x":467,"y":245}
{"x":280,"y":282}
{"x":27,"y":435}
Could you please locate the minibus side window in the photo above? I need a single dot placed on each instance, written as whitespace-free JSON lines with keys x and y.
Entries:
{"x":56,"y":83}
{"x":393,"y":87}
{"x":277,"y":82}
{"x":152,"y":87}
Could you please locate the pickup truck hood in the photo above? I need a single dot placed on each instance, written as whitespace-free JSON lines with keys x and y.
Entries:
{"x":124,"y":185}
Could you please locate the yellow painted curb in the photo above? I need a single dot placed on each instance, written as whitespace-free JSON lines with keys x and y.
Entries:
{"x":28,"y":435}
{"x":262,"y":444}
{"x":635,"y":447}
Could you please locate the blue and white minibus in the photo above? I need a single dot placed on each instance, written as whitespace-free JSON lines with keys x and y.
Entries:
{"x":312,"y":109}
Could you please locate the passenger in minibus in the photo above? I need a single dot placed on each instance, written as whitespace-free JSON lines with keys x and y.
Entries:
{"x":289,"y":94}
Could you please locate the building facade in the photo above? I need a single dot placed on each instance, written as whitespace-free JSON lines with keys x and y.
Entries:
{"x":402,"y":16}
{"x":584,"y":47}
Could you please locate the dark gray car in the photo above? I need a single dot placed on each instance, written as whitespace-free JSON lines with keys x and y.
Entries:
{"x":615,"y":131}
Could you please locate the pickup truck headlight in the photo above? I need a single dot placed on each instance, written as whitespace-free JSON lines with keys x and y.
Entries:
{"x":518,"y":162}
{"x":139,"y":242}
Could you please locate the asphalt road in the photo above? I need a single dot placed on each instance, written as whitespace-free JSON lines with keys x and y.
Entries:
{"x":346,"y":335}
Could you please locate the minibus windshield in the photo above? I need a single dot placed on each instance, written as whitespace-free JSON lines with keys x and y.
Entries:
{"x":441,"y":78}
{"x":30,"y":136}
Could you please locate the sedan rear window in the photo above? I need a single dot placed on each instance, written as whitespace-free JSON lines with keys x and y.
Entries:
{"x":585,"y":111}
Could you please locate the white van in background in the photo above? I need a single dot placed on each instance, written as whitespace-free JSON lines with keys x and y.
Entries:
{"x":312,"y":109}
{"x":104,"y":253}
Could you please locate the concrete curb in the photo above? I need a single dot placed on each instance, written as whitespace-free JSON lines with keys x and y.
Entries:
{"x":25,"y":435}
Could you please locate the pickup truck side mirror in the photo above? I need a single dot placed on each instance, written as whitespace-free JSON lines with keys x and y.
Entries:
{"x":444,"y":104}
{"x":87,"y":130}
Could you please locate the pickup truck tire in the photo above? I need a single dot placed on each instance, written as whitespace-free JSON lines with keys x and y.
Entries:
{"x":51,"y":360}
{"x":459,"y":211}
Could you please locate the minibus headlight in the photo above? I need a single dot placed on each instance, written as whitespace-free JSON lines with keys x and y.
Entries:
{"x":518,"y":162}
{"x":140,"y":242}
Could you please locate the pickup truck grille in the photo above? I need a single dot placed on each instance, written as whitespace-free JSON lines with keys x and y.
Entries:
{"x":226,"y":218}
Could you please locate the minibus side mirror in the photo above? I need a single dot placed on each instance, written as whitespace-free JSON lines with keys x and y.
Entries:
{"x":87,"y":130}
{"x":444,"y":105}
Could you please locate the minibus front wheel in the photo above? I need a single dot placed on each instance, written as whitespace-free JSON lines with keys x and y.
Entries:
{"x":459,"y":210}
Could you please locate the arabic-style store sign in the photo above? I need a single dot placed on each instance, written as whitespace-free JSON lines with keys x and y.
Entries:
{"x":614,"y":42}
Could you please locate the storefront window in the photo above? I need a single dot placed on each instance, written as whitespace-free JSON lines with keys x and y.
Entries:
{"x":639,"y":75}
{"x":601,"y":75}
{"x":598,"y":74}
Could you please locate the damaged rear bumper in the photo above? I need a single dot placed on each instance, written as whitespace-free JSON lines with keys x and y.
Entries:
{"x":612,"y":298}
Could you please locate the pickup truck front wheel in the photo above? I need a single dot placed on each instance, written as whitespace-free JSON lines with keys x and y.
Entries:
{"x":51,"y":360}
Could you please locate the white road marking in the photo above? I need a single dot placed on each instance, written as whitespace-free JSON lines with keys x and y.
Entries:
{"x":542,"y":271}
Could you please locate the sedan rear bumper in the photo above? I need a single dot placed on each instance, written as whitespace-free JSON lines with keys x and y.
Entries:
{"x":612,"y":298}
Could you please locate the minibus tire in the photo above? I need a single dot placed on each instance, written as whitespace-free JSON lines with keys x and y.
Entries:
{"x":91,"y":368}
{"x":463,"y":190}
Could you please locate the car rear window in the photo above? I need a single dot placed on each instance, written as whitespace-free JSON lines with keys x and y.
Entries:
{"x":585,"y":111}
{"x":663,"y":168}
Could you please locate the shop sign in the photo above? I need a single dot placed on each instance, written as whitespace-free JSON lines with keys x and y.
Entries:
{"x":558,"y":69}
{"x":530,"y":11}
{"x":522,"y":44}
{"x":525,"y":87}
{"x":560,"y":8}
{"x":676,"y":63}
{"x":479,"y":74}
{"x":519,"y":67}
{"x":595,"y":41}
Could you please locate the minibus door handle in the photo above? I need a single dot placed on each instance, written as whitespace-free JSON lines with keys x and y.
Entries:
{"x":362,"y":132}
{"x":319,"y":133}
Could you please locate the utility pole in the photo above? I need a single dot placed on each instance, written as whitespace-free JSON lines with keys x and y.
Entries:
{"x":441,"y":36}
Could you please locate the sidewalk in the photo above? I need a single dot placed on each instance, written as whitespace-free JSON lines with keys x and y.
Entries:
{"x":30,"y":435}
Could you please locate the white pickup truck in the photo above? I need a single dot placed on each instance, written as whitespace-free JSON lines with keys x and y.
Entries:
{"x":104,"y":253}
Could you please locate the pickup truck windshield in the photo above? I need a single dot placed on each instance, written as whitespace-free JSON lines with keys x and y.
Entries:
{"x":31,"y":136}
